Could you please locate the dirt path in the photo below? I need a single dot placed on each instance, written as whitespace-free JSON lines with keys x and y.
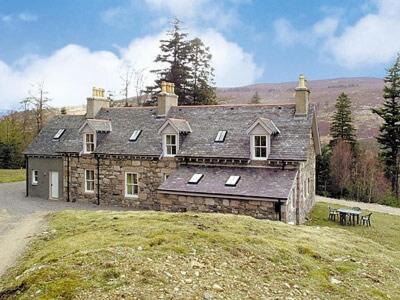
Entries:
{"x":15,"y":233}
{"x":368,"y":206}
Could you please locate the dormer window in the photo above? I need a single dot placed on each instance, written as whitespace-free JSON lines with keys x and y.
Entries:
{"x":170,"y":144}
{"x":195,"y":179}
{"x":135,"y":135}
{"x":89,"y":140}
{"x":260,"y":147}
{"x":220,"y":138}
{"x":59,"y":134}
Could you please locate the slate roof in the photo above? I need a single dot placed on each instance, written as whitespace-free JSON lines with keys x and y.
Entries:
{"x":70,"y":141}
{"x":292,"y":143}
{"x":254,"y":182}
{"x":98,"y":125}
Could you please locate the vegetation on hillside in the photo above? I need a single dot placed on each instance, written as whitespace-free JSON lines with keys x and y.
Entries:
{"x":7,"y":175}
{"x":146,"y":255}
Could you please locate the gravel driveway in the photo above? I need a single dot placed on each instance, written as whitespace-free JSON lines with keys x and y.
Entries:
{"x":22,"y":217}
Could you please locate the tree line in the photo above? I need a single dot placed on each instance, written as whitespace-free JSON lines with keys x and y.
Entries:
{"x":360,"y":171}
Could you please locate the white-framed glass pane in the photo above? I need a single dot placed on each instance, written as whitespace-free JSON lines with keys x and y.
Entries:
{"x":89,"y":180}
{"x":59,"y":134}
{"x":260,"y":146}
{"x":131,"y":184}
{"x":195,"y":178}
{"x":220,"y":136}
{"x":35,"y":176}
{"x":135,"y":135}
{"x":232,"y":180}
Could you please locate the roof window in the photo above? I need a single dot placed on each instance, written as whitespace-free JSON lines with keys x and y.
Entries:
{"x":195,"y":178}
{"x":135,"y":135}
{"x":220,"y":136}
{"x":59,"y":133}
{"x":232,"y":181}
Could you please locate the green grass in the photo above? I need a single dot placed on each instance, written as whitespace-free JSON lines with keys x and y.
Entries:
{"x":142,"y":255}
{"x":12,"y":175}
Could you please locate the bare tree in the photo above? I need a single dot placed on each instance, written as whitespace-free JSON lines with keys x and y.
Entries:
{"x":139,"y":81}
{"x":126,"y":81}
{"x":39,"y":101}
{"x":341,"y":166}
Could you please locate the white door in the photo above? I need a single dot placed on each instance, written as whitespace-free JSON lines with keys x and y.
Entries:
{"x":54,"y":185}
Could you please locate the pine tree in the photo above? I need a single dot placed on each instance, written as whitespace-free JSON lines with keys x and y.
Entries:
{"x":175,"y":57}
{"x":256,"y":99}
{"x":342,"y":127}
{"x":201,"y":74}
{"x":389,"y":137}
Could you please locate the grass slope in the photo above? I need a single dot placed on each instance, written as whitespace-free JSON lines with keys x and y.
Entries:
{"x":10,"y":175}
{"x":149,"y":255}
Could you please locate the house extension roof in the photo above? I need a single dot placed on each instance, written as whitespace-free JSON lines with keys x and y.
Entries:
{"x":255,"y":183}
{"x":291,"y":143}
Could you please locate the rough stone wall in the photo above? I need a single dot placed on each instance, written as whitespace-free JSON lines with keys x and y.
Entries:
{"x":257,"y":209}
{"x":112,"y":180}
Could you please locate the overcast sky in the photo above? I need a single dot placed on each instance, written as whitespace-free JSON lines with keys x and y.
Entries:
{"x":73,"y":45}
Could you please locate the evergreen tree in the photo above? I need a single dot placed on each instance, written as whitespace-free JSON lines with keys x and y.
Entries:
{"x":174,"y":57}
{"x":389,"y":137}
{"x":186,"y":63}
{"x":201,"y":74}
{"x":256,"y":99}
{"x":342,"y":127}
{"x":323,"y":177}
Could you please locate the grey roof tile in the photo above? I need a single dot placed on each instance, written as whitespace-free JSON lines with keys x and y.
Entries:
{"x":253,"y":183}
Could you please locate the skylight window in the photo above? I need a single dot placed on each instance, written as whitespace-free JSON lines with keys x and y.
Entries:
{"x":195,"y":178}
{"x":135,"y":135}
{"x":58,"y":134}
{"x":220,"y":136}
{"x":232,"y":181}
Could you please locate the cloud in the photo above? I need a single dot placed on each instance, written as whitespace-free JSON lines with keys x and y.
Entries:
{"x":70,"y":72}
{"x":21,"y":17}
{"x":373,"y":39}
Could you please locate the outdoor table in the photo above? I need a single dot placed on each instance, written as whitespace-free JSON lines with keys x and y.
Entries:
{"x":353,"y":214}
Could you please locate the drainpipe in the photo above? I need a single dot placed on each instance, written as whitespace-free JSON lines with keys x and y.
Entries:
{"x":26,"y":176}
{"x":98,"y":179}
{"x":68,"y":179}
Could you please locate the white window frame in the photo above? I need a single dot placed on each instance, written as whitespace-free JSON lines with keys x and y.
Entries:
{"x":253,"y":147}
{"x":221,"y":135}
{"x":35,"y":177}
{"x":89,"y":180}
{"x":135,"y":135}
{"x":166,"y":145}
{"x":127,"y":195}
{"x":59,"y":134}
{"x":195,"y":179}
{"x":232,"y":181}
{"x":85,"y":143}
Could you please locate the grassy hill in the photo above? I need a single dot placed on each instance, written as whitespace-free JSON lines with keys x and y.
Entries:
{"x":155,"y":255}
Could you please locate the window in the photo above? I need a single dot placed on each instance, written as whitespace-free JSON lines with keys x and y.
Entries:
{"x":131,"y":185}
{"x":260,"y":146}
{"x":89,"y":142}
{"x":220,"y":136}
{"x":58,"y":134}
{"x":166,"y":176}
{"x":171,"y":144}
{"x":135,"y":135}
{"x":89,"y":181}
{"x":195,"y":179}
{"x":232,"y":181}
{"x":35,"y":177}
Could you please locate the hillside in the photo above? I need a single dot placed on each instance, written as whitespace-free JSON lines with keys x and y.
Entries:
{"x":155,"y":255}
{"x":365,"y":93}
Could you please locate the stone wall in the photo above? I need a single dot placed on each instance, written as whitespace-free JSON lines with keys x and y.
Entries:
{"x":112,"y":180}
{"x":258,"y":209}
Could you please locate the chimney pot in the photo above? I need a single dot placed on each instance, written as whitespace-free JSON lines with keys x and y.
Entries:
{"x":96,"y":102}
{"x":166,"y":99}
{"x":302,"y":97}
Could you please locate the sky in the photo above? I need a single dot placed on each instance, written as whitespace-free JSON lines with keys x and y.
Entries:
{"x":72,"y":45}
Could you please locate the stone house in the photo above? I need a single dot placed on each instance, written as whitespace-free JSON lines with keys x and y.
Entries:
{"x":256,"y":160}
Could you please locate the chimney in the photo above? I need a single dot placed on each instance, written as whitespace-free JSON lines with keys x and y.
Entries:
{"x":166,"y":98}
{"x":302,"y":97}
{"x":96,"y":102}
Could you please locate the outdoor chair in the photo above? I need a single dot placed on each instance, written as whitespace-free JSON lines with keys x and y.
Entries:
{"x":332,"y":213}
{"x":366,"y":220}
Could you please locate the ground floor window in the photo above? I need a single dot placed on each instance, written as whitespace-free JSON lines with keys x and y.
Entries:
{"x":131,"y":185}
{"x":35,"y":177}
{"x":89,"y":181}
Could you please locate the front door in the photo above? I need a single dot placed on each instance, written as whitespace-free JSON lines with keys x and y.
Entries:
{"x":53,"y":185}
